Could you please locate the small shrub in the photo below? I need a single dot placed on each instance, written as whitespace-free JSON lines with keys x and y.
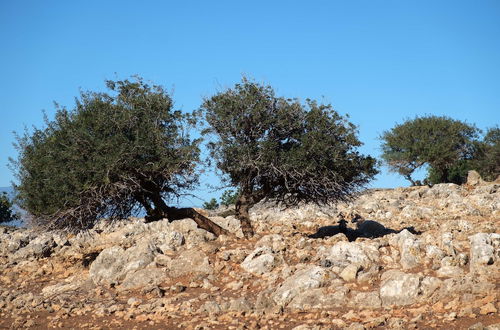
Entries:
{"x":6,"y":212}
{"x":211,"y":205}
{"x":229,"y":197}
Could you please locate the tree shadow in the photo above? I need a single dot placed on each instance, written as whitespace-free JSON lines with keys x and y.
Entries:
{"x":365,"y":229}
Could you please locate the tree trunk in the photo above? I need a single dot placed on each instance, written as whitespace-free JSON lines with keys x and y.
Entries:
{"x":162,"y":210}
{"x":409,"y":178}
{"x":202,"y":221}
{"x":242,"y":214}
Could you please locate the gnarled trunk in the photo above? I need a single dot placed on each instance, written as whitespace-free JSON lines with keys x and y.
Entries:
{"x":409,"y":178}
{"x":162,"y":210}
{"x":242,"y":213}
{"x":202,"y":221}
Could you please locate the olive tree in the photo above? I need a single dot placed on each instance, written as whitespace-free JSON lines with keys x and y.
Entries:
{"x":111,"y":155}
{"x":487,"y":157}
{"x":283,"y":150}
{"x":439,"y":142}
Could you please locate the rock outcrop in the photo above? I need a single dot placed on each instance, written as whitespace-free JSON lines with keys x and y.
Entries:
{"x":424,"y":257}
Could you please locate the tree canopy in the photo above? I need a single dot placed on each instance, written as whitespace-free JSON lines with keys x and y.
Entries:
{"x":435,"y":141}
{"x":110,"y":155}
{"x":487,"y":157}
{"x":281,"y":149}
{"x":6,"y":212}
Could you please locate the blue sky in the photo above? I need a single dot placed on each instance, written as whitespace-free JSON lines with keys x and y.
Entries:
{"x":379,"y":61}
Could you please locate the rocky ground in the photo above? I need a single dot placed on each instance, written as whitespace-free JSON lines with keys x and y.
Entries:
{"x":424,"y":258}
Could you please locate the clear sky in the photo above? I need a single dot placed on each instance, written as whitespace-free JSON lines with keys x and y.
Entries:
{"x":379,"y":61}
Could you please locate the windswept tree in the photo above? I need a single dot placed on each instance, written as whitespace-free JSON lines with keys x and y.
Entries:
{"x":441,"y":143}
{"x":111,"y":155}
{"x":280,"y":149}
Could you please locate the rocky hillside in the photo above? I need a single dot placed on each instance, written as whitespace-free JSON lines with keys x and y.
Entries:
{"x":404,"y":259}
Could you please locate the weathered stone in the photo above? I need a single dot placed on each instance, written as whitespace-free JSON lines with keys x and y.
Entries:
{"x":349,"y":273}
{"x":15,"y":241}
{"x":410,"y":249}
{"x":142,"y":278}
{"x":40,"y":247}
{"x":190,"y":262}
{"x":240,"y":305}
{"x":210,"y":307}
{"x":162,"y":260}
{"x":274,"y":241}
{"x":69,"y":285}
{"x":229,"y":223}
{"x":319,"y":299}
{"x":473,"y":178}
{"x":398,"y":288}
{"x":170,"y":241}
{"x":489,"y":308}
{"x":260,"y":261}
{"x":236,"y":255}
{"x":343,"y":254}
{"x":305,"y":279}
{"x":134,"y":302}
{"x":364,"y":300}
{"x":485,"y":250}
{"x":113,"y":264}
{"x":450,"y":271}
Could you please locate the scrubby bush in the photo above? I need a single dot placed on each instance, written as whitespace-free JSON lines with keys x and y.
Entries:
{"x":229,"y":197}
{"x":211,"y":205}
{"x":6,"y":212}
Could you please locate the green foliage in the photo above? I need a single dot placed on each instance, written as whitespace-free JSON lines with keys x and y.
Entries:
{"x":442,"y":143}
{"x":273,"y":147}
{"x":229,"y":197}
{"x":487,"y":157}
{"x":108,"y":156}
{"x":211,"y":205}
{"x":6,"y":212}
{"x":457,"y":173}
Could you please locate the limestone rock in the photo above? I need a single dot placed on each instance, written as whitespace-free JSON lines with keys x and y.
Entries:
{"x":305,"y":279}
{"x":15,"y":241}
{"x":143,"y":278}
{"x":343,"y":254}
{"x":349,"y":273}
{"x":260,"y":261}
{"x":364,"y":300}
{"x":170,"y":241}
{"x":473,"y":178}
{"x":274,"y":241}
{"x":240,"y":305}
{"x":112,"y":264}
{"x":398,"y":288}
{"x":40,"y":247}
{"x":319,"y":299}
{"x":190,"y":262}
{"x":229,"y":223}
{"x":450,"y":271}
{"x":69,"y":285}
{"x":108,"y":267}
{"x":410,"y":248}
{"x":485,"y":251}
